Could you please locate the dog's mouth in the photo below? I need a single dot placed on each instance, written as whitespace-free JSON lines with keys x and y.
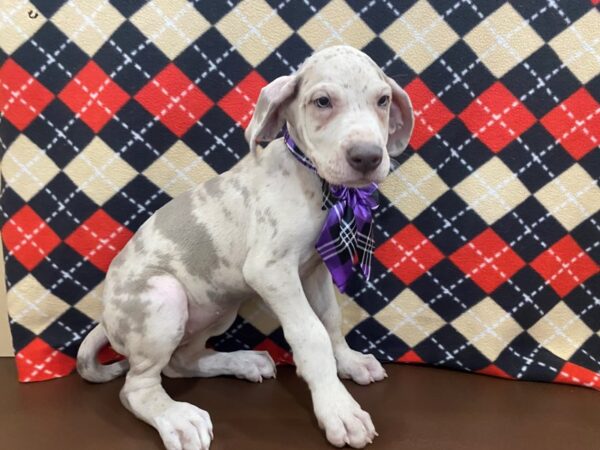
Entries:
{"x":339,"y":173}
{"x":360,"y":179}
{"x":362,"y":182}
{"x":357,"y":181}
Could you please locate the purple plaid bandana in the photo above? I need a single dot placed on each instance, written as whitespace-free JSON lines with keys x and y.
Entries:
{"x":345,"y":239}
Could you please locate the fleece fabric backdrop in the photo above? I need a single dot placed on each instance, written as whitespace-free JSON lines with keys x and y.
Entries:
{"x":488,"y":235}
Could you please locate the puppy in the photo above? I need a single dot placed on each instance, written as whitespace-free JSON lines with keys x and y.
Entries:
{"x":251,"y":232}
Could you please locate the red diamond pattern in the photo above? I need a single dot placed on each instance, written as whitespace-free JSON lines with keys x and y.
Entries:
{"x":175,"y":99}
{"x":28,"y":237}
{"x":22,"y":97}
{"x":565,"y":265}
{"x":430,"y":113}
{"x":108,"y":355}
{"x":410,"y":357}
{"x":239,"y":102}
{"x":494,"y":371}
{"x":99,"y":239}
{"x":409,"y":254}
{"x":486,"y":258}
{"x":279,"y":355}
{"x":38,"y":362}
{"x":494,"y":119}
{"x":578,"y":120}
{"x":575,"y":374}
{"x":94,"y":96}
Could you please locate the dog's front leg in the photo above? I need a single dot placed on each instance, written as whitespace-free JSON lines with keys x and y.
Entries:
{"x":361,"y":368}
{"x":337,"y":412}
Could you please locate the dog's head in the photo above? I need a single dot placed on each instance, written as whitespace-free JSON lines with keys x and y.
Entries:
{"x":342,"y":111}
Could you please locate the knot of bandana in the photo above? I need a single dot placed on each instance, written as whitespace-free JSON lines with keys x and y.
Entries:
{"x":345,"y":239}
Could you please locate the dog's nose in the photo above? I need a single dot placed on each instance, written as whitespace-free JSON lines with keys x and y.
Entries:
{"x":364,"y":157}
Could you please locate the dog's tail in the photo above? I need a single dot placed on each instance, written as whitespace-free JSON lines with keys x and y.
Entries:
{"x":88,"y":365}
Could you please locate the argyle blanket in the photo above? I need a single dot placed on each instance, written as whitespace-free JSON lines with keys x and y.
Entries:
{"x":488,"y":234}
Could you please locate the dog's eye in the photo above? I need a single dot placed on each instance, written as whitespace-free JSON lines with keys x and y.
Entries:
{"x":383,"y":101}
{"x":323,"y":102}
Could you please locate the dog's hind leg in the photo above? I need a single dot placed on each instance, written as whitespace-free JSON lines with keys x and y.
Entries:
{"x":245,"y":364}
{"x":195,"y":360}
{"x":182,"y":426}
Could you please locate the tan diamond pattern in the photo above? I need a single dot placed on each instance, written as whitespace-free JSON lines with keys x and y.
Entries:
{"x":178,"y":170}
{"x":352,"y":313}
{"x":171,"y":25}
{"x":503,"y":40}
{"x":89,"y":24}
{"x":488,"y":327}
{"x":91,"y":303}
{"x":254,"y":29}
{"x":579,"y":46}
{"x":413,"y":187}
{"x":340,"y":24}
{"x":420,"y":36}
{"x":99,"y":171}
{"x":410,"y":318}
{"x":13,"y":29}
{"x":26,"y":168}
{"x":492,"y":190}
{"x":32,"y":305}
{"x":259,"y":315}
{"x":571,"y":197}
{"x":561,"y":331}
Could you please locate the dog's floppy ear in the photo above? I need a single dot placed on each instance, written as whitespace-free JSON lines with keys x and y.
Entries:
{"x":268,"y":118}
{"x":401,"y":120}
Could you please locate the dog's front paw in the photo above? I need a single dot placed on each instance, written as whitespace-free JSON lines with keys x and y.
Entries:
{"x":184,"y":427}
{"x":344,"y":421}
{"x":361,"y":368}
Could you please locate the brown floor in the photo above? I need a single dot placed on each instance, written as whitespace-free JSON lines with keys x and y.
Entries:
{"x":415,"y":408}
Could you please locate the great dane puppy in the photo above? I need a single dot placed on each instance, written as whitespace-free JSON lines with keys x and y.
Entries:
{"x":252,"y":231}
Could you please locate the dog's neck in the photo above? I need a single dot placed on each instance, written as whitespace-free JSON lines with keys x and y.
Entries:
{"x":345,"y":240}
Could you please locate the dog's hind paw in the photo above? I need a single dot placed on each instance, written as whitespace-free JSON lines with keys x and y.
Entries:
{"x":253,"y":365}
{"x":361,"y":368}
